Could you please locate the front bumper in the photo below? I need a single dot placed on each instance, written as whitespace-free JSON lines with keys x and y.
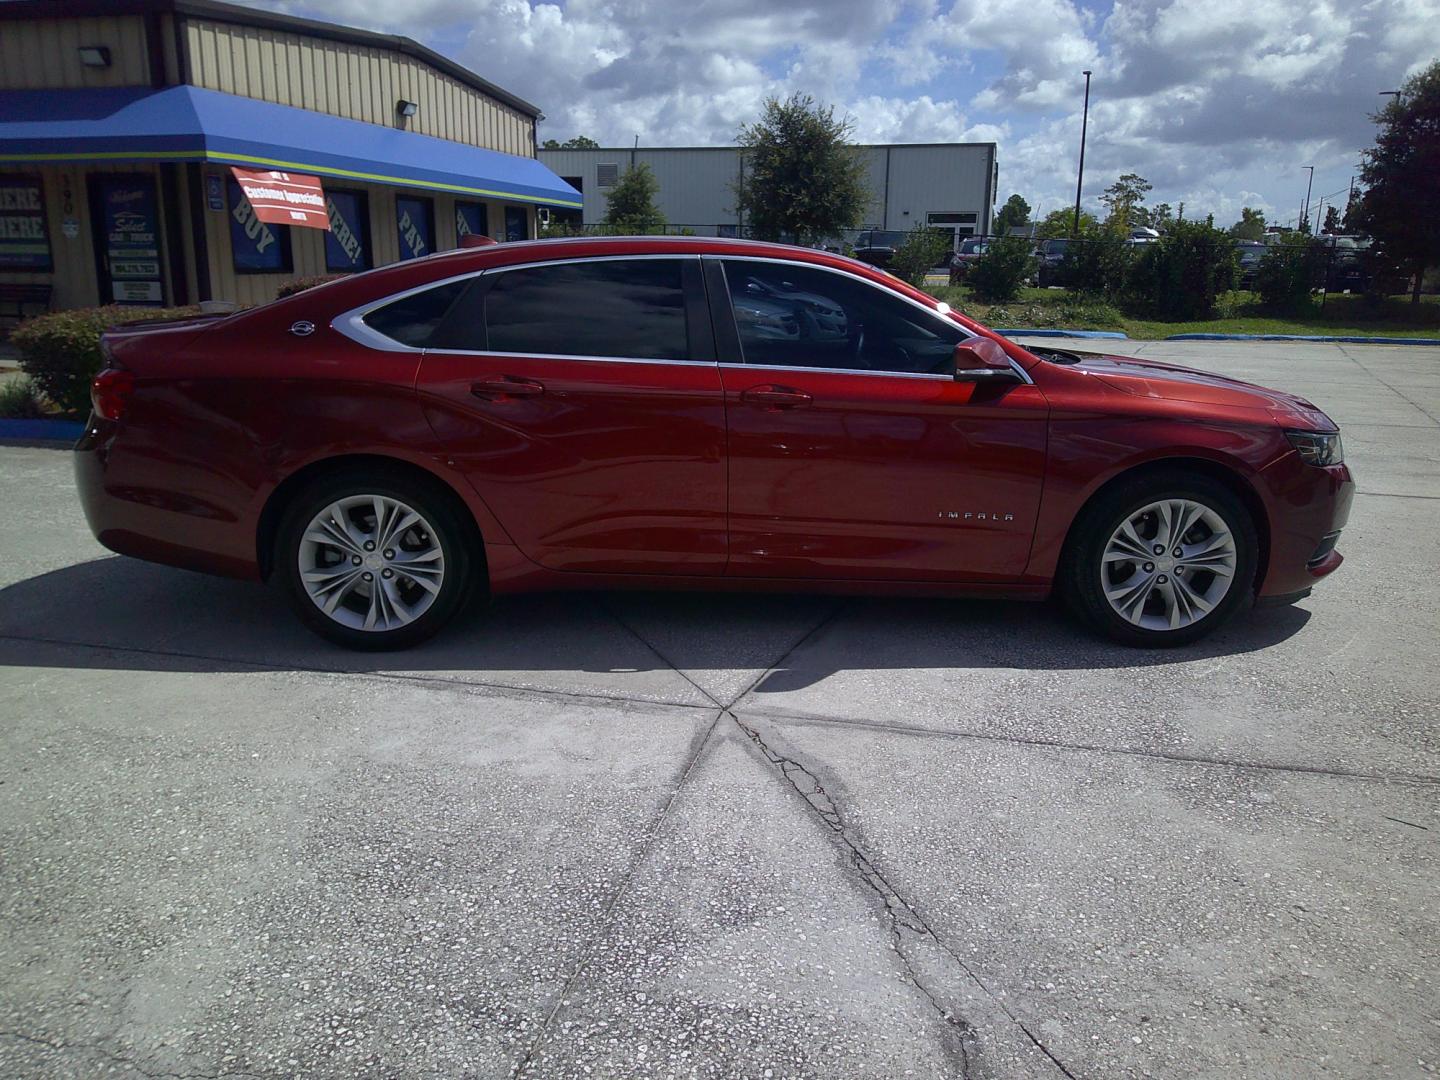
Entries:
{"x":1309,"y":507}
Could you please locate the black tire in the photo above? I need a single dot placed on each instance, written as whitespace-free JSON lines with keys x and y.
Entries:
{"x":456,"y":537}
{"x":1081,"y":578}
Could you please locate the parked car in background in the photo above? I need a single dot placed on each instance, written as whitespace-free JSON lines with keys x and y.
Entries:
{"x":877,"y":246}
{"x":1248,"y":254}
{"x":1346,"y":268}
{"x":1051,"y":269}
{"x":965,"y":257}
{"x":686,"y":413}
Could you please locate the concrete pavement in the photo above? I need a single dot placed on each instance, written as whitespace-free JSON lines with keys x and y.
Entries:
{"x":606,"y":836}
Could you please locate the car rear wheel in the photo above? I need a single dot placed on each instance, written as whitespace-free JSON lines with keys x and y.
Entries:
{"x":374,"y":562}
{"x":1161,"y":560}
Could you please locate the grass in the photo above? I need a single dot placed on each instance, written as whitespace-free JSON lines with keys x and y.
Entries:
{"x":1342,"y":315}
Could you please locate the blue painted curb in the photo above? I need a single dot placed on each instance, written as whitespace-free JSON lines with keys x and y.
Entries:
{"x":1111,"y":334}
{"x":52,"y":430}
{"x":1306,"y":337}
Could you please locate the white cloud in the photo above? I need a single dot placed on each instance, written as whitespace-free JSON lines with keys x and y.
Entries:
{"x":1218,"y":103}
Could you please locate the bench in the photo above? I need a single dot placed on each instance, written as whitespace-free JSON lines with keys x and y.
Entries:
{"x":15,"y":298}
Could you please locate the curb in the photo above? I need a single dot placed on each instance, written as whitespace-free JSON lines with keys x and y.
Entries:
{"x":41,"y":431}
{"x":1306,"y":337}
{"x":1113,"y":335}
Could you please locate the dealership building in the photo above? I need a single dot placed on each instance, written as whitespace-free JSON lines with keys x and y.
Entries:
{"x":948,"y":185}
{"x":128,"y":129}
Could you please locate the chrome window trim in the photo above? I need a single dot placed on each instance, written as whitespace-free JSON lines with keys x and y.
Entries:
{"x":841,"y":371}
{"x":659,"y":255}
{"x":569,"y":356}
{"x":916,"y":304}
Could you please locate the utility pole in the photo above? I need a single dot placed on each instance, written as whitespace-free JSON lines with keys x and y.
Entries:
{"x":1080,"y":180}
{"x":1305,"y":213}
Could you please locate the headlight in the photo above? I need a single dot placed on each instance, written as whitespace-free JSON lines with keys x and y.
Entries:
{"x":1318,"y":447}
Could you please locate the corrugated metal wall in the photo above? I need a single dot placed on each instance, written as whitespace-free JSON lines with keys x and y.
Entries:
{"x":37,"y":54}
{"x":696,"y":184}
{"x":352,"y":81}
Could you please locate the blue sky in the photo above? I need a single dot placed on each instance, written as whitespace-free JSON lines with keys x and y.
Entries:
{"x":1219,"y":104}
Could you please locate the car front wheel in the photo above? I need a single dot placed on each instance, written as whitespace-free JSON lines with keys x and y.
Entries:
{"x":374,"y":562}
{"x":1161,"y":560}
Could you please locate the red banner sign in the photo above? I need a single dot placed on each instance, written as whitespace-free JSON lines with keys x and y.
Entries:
{"x":285,"y":198}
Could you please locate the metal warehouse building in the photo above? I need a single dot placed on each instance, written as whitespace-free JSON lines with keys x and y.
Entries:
{"x":126,"y":127}
{"x":948,"y":185}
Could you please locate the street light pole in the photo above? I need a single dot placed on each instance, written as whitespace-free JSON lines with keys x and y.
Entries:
{"x":1305,"y":214}
{"x":1080,"y":180}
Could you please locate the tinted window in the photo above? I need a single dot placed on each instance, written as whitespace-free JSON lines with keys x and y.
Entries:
{"x":412,"y":319}
{"x":796,"y":316}
{"x":623,"y":307}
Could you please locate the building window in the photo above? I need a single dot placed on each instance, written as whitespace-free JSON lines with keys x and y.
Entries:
{"x":415,"y":220}
{"x":471,"y":219}
{"x":24,"y":235}
{"x":347,"y":244}
{"x":607,"y":174}
{"x":517,"y":223}
{"x":255,"y":247}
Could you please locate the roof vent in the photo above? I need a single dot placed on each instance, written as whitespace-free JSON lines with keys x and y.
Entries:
{"x":607,"y":174}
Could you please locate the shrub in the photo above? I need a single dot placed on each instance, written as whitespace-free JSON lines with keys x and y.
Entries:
{"x":1004,"y":268}
{"x":1097,"y":265}
{"x":1181,"y":276}
{"x":1288,"y":271}
{"x":61,"y":351}
{"x":300,"y":284}
{"x":923,"y":249}
{"x":18,"y":400}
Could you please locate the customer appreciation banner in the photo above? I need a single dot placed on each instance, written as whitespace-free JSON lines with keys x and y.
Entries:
{"x":285,"y":198}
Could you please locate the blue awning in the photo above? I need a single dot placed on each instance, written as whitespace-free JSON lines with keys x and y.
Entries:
{"x":186,"y":123}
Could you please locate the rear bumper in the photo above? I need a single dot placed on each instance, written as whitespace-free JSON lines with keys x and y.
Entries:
{"x":133,"y":515}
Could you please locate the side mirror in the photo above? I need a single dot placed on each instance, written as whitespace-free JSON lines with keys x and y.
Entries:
{"x":980,"y":359}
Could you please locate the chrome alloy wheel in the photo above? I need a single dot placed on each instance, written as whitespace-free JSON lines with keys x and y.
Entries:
{"x":370,"y":562}
{"x":1168,"y":564}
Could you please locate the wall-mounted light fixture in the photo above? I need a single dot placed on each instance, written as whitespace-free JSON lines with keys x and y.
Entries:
{"x":96,"y":56}
{"x":406,"y":109}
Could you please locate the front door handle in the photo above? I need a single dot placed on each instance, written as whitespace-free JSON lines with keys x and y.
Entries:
{"x":776,"y":397}
{"x":506,"y":387}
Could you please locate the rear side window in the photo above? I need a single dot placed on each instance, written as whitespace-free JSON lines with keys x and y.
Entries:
{"x":412,"y":319}
{"x":630,"y":308}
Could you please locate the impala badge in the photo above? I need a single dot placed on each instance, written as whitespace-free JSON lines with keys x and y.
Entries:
{"x":975,"y":515}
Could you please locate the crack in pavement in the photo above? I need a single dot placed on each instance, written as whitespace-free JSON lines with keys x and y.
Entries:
{"x":901,"y":913}
{"x":1394,"y":390}
{"x":603,"y":923}
{"x":60,"y":1046}
{"x":1091,"y":748}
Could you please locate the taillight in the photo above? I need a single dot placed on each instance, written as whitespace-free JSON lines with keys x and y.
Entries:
{"x":110,"y":392}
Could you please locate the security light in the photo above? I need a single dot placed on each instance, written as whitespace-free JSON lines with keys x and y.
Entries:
{"x":97,"y":56}
{"x":406,"y":108}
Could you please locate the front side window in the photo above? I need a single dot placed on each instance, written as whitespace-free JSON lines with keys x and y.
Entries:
{"x":800,"y":316}
{"x":628,"y":308}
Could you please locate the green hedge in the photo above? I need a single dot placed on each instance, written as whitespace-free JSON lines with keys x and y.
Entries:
{"x":1002,"y":271}
{"x":61,"y":351}
{"x":300,"y":284}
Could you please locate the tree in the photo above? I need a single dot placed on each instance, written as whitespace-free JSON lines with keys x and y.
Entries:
{"x":1014,"y":214}
{"x":1182,"y":276}
{"x":1251,"y":225}
{"x":1160,"y":216}
{"x":1000,"y":273}
{"x":578,"y":142}
{"x":631,"y":202}
{"x":1057,"y":223}
{"x":802,"y":179}
{"x":1124,"y":198}
{"x":1332,"y":221}
{"x":1400,"y":206}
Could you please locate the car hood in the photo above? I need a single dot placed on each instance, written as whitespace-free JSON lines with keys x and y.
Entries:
{"x":1148,"y":378}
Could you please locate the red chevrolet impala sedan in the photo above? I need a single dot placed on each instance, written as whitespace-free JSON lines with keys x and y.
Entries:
{"x":685,"y":413}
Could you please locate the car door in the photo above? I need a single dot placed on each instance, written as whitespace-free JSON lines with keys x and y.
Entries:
{"x":582,"y":400}
{"x":854,"y":453}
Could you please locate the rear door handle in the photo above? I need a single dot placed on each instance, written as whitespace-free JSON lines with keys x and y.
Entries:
{"x":776,"y":397}
{"x":506,"y":387}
